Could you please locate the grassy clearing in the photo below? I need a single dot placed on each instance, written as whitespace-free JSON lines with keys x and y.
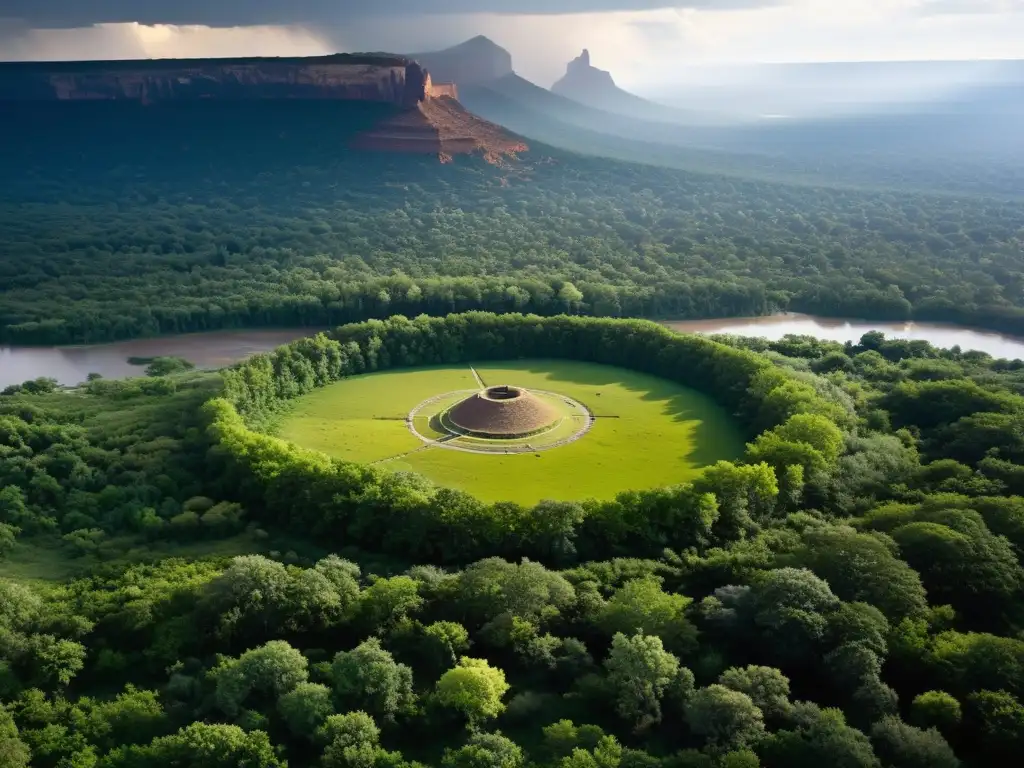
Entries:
{"x":649,"y":432}
{"x":363,"y":418}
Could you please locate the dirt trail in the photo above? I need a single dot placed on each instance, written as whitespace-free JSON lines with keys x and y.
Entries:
{"x":477,"y":377}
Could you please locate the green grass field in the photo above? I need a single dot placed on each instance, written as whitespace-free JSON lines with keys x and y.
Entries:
{"x":649,"y":431}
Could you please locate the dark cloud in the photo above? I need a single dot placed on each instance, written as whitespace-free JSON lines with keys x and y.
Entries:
{"x":75,"y":13}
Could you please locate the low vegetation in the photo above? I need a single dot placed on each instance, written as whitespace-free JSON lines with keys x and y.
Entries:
{"x":849,"y":595}
{"x":649,"y":432}
{"x":181,"y":587}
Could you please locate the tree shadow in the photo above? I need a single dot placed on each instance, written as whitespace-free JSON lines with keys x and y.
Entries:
{"x":717,"y":435}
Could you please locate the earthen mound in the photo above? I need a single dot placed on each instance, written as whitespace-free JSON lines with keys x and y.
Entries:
{"x":503,"y":411}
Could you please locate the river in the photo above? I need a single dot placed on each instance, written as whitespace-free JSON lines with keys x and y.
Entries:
{"x":70,"y":365}
{"x":774,"y":327}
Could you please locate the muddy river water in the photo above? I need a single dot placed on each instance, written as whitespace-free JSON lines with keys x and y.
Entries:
{"x":70,"y":365}
{"x":938,"y":334}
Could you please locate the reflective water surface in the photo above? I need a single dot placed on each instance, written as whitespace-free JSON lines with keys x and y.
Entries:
{"x":938,"y":334}
{"x":70,"y":365}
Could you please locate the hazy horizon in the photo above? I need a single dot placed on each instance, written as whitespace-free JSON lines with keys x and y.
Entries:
{"x":644,"y":43}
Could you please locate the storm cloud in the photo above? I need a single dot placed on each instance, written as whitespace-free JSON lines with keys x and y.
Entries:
{"x":646,"y":44}
{"x":80,"y":13}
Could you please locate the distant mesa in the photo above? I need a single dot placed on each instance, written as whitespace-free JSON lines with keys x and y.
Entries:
{"x":425,"y":118}
{"x":503,"y":412}
{"x":593,"y":87}
{"x":580,"y":76}
{"x":475,"y":62}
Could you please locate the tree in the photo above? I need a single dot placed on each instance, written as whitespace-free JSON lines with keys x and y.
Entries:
{"x":349,"y":729}
{"x":998,"y":719}
{"x":936,"y":709}
{"x":973,"y":661}
{"x":640,"y":605}
{"x":903,"y":746}
{"x":368,"y":678}
{"x":778,"y":453}
{"x":200,"y":745}
{"x":163,"y":366}
{"x":53,"y":659}
{"x":343,"y":574}
{"x":431,"y":649}
{"x":526,"y":589}
{"x":607,"y":753}
{"x":305,"y":708}
{"x":351,"y":741}
{"x":814,"y":430}
{"x":134,"y":716}
{"x":726,"y":719}
{"x":820,"y":737}
{"x":8,"y":538}
{"x":474,"y":688}
{"x":790,"y":609}
{"x":640,"y":671}
{"x":250,"y":599}
{"x":767,"y":687}
{"x":964,"y":565}
{"x":851,"y":664}
{"x":272,"y":670}
{"x":485,"y":750}
{"x":387,"y":601}
{"x":570,"y":296}
{"x":13,"y":751}
{"x":859,"y":624}
{"x":741,"y":758}
{"x":863,"y":568}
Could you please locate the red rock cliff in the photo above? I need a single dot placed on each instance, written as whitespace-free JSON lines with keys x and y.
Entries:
{"x":389,"y":79}
{"x":426,"y":118}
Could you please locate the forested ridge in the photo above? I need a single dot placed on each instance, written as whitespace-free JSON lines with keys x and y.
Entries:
{"x":120,"y":221}
{"x":847,"y":595}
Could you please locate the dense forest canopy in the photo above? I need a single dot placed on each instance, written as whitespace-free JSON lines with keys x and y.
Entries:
{"x":118,"y":220}
{"x":180,"y":587}
{"x":177,"y":588}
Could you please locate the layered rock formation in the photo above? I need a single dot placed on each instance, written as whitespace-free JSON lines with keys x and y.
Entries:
{"x":441,"y":126}
{"x":390,"y":79}
{"x":426,"y":118}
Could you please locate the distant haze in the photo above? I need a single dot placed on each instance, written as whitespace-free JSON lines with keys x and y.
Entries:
{"x":837,"y":88}
{"x":647,"y":48}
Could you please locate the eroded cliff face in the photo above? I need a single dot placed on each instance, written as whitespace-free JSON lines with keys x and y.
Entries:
{"x":381,"y":79}
{"x":424,"y":118}
{"x":441,"y":126}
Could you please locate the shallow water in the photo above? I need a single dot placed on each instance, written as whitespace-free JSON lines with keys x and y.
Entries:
{"x":70,"y":365}
{"x":938,"y":334}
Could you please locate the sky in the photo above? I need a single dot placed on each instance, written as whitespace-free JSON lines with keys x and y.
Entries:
{"x":644,"y":43}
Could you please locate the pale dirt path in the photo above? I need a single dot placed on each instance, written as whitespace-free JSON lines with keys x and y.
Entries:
{"x":477,"y":377}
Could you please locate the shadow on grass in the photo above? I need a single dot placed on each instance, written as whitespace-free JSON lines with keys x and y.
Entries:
{"x":716,"y":435}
